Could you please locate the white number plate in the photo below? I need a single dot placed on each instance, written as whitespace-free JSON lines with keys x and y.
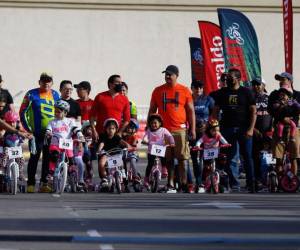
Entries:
{"x":66,"y":144}
{"x":158,"y":150}
{"x":14,"y":152}
{"x":211,"y":153}
{"x":270,"y":159}
{"x":115,"y":161}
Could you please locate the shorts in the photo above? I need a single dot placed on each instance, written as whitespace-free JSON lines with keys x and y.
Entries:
{"x":181,"y":150}
{"x":293,"y":146}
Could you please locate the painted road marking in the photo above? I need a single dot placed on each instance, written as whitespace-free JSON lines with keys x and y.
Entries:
{"x":95,"y":234}
{"x":219,"y":204}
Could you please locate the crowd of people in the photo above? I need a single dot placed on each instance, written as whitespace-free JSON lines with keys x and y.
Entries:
{"x":249,"y":120}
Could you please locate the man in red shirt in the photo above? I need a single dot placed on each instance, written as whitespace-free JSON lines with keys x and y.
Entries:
{"x":110,"y":104}
{"x":84,"y":101}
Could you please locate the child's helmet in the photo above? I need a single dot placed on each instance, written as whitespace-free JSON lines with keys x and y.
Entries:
{"x":212,"y":123}
{"x":11,"y":116}
{"x":63,"y":105}
{"x":110,"y":121}
{"x":154,"y":116}
{"x":134,"y":124}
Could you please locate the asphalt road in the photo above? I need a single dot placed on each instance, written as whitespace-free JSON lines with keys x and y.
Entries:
{"x":147,"y":221}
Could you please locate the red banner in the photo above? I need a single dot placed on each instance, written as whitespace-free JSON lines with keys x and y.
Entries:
{"x":288,"y":35}
{"x":213,"y":58}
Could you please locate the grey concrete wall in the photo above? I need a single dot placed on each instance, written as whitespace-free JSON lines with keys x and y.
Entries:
{"x":91,"y":44}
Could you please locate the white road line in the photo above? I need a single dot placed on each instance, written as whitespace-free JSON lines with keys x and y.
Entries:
{"x":219,"y":204}
{"x":56,"y":195}
{"x":95,"y":233}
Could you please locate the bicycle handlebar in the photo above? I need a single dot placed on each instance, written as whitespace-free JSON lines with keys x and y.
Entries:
{"x":196,"y":148}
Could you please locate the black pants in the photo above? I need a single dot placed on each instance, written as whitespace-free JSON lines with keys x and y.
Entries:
{"x":34,"y":159}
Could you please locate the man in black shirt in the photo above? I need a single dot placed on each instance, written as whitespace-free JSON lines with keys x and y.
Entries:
{"x":237,"y":123}
{"x":285,"y":81}
{"x":66,"y":89}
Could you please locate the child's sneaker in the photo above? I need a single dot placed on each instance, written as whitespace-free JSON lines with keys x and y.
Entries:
{"x":191,"y":189}
{"x":171,"y":190}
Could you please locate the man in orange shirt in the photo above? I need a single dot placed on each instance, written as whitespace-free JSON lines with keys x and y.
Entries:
{"x":174,"y":102}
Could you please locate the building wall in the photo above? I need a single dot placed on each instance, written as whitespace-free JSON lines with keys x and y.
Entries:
{"x":90,"y":40}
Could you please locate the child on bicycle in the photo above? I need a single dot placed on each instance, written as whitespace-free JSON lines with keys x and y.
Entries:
{"x":61,"y":127}
{"x":212,"y":138}
{"x":107,"y":141}
{"x":13,"y":140}
{"x":130,"y":136}
{"x":156,"y":134}
{"x":89,"y":152}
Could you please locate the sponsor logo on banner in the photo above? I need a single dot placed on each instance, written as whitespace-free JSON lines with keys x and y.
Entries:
{"x":212,"y":47}
{"x":233,"y":33}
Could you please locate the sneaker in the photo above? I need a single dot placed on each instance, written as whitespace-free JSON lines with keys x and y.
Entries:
{"x":30,"y":189}
{"x":45,"y":188}
{"x":171,"y":190}
{"x":126,"y":189}
{"x":201,"y":189}
{"x":191,"y":189}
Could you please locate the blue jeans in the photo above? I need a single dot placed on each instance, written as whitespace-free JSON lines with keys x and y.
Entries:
{"x":234,"y":136}
{"x":235,"y":166}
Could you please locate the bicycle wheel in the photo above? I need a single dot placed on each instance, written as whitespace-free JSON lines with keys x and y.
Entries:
{"x":289,"y":184}
{"x":13,"y":180}
{"x":154,"y":183}
{"x":118,"y":182}
{"x":60,"y":180}
{"x":214,"y":185}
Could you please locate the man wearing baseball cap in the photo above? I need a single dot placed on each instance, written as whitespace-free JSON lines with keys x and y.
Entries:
{"x":36,"y":111}
{"x":174,"y":102}
{"x":285,"y":81}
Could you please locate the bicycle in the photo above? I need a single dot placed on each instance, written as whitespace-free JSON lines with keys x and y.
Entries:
{"x":115,"y":170}
{"x":210,"y":172}
{"x":156,"y":171}
{"x":10,"y":173}
{"x":134,"y":178}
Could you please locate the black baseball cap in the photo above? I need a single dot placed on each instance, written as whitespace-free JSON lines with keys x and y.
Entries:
{"x":258,"y":81}
{"x":197,"y":84}
{"x":46,"y":77}
{"x":172,"y":69}
{"x":84,"y":85}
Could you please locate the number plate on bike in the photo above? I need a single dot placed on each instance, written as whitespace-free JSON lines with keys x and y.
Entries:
{"x":14,"y":152}
{"x":210,"y":153}
{"x":270,"y":159}
{"x":66,"y":144}
{"x":115,"y":161}
{"x":158,"y":150}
